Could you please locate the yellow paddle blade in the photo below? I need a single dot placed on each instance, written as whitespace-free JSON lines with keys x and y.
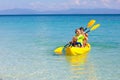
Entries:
{"x":90,"y":23}
{"x":58,"y":50}
{"x":95,"y":27}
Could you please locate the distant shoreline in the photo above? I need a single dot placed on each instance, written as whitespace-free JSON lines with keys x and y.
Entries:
{"x":59,"y":14}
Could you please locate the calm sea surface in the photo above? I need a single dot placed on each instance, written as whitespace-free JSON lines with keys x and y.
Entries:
{"x":27,"y":44}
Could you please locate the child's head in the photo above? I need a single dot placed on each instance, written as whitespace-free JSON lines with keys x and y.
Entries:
{"x":81,"y":29}
{"x":77,"y":31}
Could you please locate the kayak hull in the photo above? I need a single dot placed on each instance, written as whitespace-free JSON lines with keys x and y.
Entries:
{"x":77,"y":50}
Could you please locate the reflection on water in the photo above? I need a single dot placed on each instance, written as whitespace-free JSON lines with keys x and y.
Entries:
{"x":77,"y":60}
{"x":81,"y":68}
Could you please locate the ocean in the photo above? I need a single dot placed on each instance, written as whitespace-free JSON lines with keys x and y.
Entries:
{"x":27,"y":43}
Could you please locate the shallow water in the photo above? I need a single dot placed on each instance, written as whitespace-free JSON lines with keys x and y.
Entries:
{"x":27,"y":44}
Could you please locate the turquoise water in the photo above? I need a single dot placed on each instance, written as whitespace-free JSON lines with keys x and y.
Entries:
{"x":27,"y":44}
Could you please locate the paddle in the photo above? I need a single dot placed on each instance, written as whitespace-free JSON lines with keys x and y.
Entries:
{"x":94,"y":28}
{"x":90,"y":24}
{"x":60,"y":49}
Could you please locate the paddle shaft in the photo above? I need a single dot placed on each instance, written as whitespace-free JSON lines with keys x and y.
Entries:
{"x":87,"y":31}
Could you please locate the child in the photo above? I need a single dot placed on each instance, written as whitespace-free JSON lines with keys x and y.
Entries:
{"x":77,"y":39}
{"x":85,"y":41}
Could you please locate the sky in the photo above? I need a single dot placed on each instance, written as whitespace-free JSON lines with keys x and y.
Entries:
{"x":54,"y":5}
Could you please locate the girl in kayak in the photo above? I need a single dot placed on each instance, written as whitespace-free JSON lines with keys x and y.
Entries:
{"x":85,"y":40}
{"x":77,"y":40}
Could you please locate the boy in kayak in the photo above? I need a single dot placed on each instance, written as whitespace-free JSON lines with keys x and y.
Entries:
{"x":77,"y":40}
{"x":85,"y":40}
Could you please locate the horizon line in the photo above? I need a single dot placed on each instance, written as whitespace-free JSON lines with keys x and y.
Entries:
{"x":53,"y":14}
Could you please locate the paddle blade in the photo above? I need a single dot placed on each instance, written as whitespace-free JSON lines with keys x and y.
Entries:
{"x":91,"y":23}
{"x":58,"y":50}
{"x":95,"y":27}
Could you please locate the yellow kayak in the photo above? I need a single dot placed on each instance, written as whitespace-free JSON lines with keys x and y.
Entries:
{"x":77,"y":50}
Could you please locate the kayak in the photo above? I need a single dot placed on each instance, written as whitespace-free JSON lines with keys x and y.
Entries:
{"x":77,"y":50}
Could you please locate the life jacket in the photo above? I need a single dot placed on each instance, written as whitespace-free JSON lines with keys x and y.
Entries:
{"x":80,"y":38}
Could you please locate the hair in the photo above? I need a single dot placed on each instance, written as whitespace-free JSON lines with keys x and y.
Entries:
{"x":81,"y":28}
{"x":76,"y":30}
